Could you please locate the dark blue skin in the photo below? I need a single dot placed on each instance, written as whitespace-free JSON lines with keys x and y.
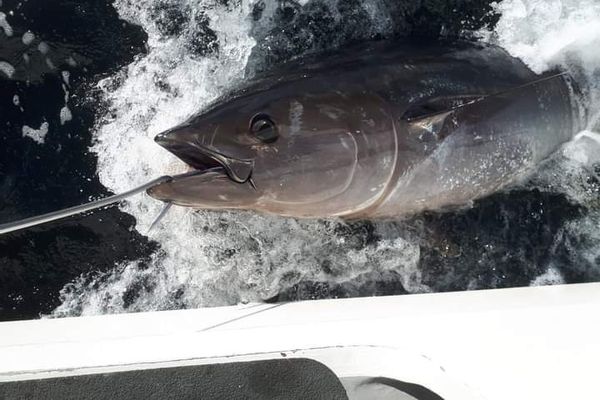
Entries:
{"x":372,"y":132}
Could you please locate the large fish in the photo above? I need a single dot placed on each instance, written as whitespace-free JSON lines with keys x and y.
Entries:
{"x":380,"y":131}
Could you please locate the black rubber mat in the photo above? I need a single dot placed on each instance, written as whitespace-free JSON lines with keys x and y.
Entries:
{"x":285,"y":379}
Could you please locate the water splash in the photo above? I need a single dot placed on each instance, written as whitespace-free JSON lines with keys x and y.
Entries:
{"x":555,"y":33}
{"x":566,"y":34}
{"x":197,"y":50}
{"x":208,"y":258}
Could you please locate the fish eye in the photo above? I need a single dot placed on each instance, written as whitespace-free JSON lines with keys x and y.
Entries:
{"x":263,"y":127}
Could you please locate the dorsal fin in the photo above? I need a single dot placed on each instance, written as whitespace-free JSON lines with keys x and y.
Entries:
{"x":435,"y":127}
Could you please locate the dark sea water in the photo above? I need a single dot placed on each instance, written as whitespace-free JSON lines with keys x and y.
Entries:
{"x":34,"y":179}
{"x":509,"y":239}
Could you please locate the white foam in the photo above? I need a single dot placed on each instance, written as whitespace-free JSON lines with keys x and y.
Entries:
{"x":7,"y":69}
{"x":37,"y":135}
{"x":43,"y":48}
{"x":66,"y":75}
{"x":8,"y":30}
{"x":551,"y":277}
{"x":28,"y":38}
{"x":65,"y":112}
{"x":65,"y":115}
{"x":584,"y":148}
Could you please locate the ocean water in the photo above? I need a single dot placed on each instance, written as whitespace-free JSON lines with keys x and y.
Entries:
{"x":157,"y":62}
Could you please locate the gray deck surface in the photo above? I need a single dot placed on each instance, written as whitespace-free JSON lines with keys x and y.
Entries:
{"x":286,"y":379}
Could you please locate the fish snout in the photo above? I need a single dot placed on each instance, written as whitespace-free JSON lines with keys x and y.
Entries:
{"x":182,"y":142}
{"x":189,"y":145}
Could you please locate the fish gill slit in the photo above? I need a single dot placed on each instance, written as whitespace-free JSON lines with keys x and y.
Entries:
{"x":389,"y":184}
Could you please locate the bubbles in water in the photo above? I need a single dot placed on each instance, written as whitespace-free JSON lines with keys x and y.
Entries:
{"x":37,"y":135}
{"x":28,"y":38}
{"x":7,"y":69}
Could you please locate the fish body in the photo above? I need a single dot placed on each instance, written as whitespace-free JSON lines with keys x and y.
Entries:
{"x":379,"y":131}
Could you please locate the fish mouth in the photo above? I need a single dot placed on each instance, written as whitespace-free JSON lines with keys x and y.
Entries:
{"x":204,"y":158}
{"x":216,"y":180}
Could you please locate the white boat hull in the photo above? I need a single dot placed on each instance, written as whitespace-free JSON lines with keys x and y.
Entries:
{"x":526,"y":343}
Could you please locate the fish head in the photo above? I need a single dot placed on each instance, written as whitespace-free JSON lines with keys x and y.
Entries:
{"x":290,"y":149}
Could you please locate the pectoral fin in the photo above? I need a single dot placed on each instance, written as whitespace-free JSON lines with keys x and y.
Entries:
{"x":438,"y":106}
{"x":438,"y":116}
